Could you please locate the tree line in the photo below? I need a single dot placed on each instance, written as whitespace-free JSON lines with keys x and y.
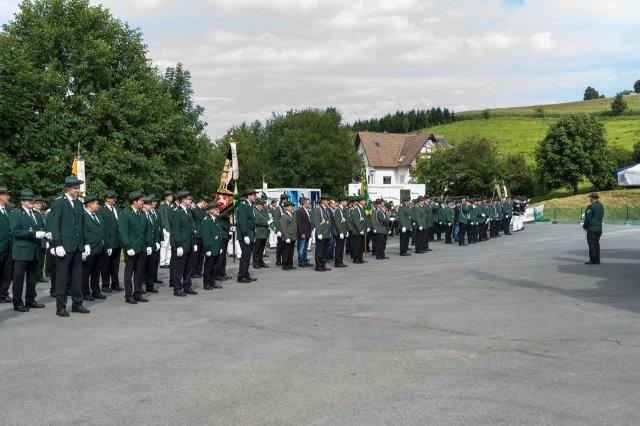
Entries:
{"x":405,"y":122}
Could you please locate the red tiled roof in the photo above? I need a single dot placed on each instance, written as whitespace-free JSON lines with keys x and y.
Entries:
{"x":391,"y":149}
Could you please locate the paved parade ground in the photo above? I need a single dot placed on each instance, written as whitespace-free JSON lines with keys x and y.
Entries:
{"x":516,"y":330}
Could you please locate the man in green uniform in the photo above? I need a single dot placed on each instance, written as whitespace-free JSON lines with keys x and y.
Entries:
{"x":27,"y":236}
{"x":110,"y":214}
{"x":6,"y":263}
{"x":262,"y":234}
{"x":152,"y":238}
{"x":164,"y":210}
{"x":66,"y":226}
{"x":358,"y":229}
{"x":94,"y":236}
{"x":593,"y":216}
{"x":419,"y":223}
{"x":183,"y":245}
{"x":406,"y":225}
{"x":246,"y":228}
{"x":428,"y":223}
{"x":199,"y":212}
{"x":289,"y":233}
{"x":507,"y":212}
{"x":277,"y":214}
{"x":132,"y":226}
{"x":211,"y":233}
{"x":447,"y":217}
{"x":341,"y":231}
{"x":463,"y":220}
{"x":322,"y":225}
{"x":380,"y":222}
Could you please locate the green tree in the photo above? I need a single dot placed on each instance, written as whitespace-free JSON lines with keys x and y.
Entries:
{"x":469,"y":167}
{"x":519,"y":176}
{"x":636,"y":86}
{"x":619,"y":104}
{"x":635,"y":155}
{"x":590,"y":93}
{"x":78,"y":77}
{"x":574,"y":148}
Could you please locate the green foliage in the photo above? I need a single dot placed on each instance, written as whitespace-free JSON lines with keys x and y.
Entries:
{"x":574,"y":147}
{"x":519,"y":176}
{"x":74,"y":76}
{"x":635,"y":153}
{"x":636,"y":86}
{"x":486,"y":114}
{"x":619,"y":104}
{"x":469,"y":167}
{"x":590,"y":93}
{"x":404,"y":122}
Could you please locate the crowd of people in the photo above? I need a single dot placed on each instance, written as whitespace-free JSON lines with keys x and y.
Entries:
{"x":83,"y":241}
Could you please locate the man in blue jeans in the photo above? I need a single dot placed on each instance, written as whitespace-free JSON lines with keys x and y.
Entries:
{"x":303,"y":222}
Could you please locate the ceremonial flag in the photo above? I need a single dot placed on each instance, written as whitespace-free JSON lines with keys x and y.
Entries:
{"x":227,"y":190}
{"x":78,"y":170}
{"x":364,"y":191}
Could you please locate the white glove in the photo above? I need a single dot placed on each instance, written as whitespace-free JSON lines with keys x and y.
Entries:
{"x":131,"y":252}
{"x":60,"y":252}
{"x":368,"y":229}
{"x":288,"y":241}
{"x":232,"y":229}
{"x":439,"y":223}
{"x":221,"y":250}
{"x":247,"y":241}
{"x":279,"y":234}
{"x":419,"y":228}
{"x":48,"y":236}
{"x":270,"y":222}
{"x":341,"y":236}
{"x":374,"y":231}
{"x":347,"y":233}
{"x":40,"y":234}
{"x":180,"y":251}
{"x":404,"y":229}
{"x":208,"y":254}
{"x":52,"y":251}
{"x":483,"y":215}
{"x":361,"y":232}
{"x":195,"y":249}
{"x":506,"y":216}
{"x":392,"y":219}
{"x":84,"y":256}
{"x":109,"y":251}
{"x":87,"y":249}
{"x":320,"y":237}
{"x":149,"y":251}
{"x":47,"y":244}
{"x":165,"y":234}
{"x":157,"y":246}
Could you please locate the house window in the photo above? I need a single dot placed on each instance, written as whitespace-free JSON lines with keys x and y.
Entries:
{"x":386,"y":180}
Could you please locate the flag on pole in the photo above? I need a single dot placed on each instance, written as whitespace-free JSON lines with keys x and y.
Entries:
{"x":78,"y":170}
{"x":364,"y":191}
{"x":227,"y":190}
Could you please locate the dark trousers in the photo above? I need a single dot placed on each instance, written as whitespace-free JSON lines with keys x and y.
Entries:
{"x":419,"y":240}
{"x":447,"y":232}
{"x":134,"y":274}
{"x":220,"y":267}
{"x":593,"y":240}
{"x":40,"y":270}
{"x":321,"y":252}
{"x":151,"y":268}
{"x":437,"y":230}
{"x":338,"y":252}
{"x":404,"y":242}
{"x":287,"y":254}
{"x":22,"y":269}
{"x":111,"y":268}
{"x":6,"y":273}
{"x":331,"y":247}
{"x":371,"y":242}
{"x":258,"y":252}
{"x":50,"y":261}
{"x":428,"y":236}
{"x":199,"y":258}
{"x":182,"y":269}
{"x":471,"y":233}
{"x":462,"y":230}
{"x":381,"y":245}
{"x":156,"y":264}
{"x":69,"y":268}
{"x":279,"y":248}
{"x":208,"y":274}
{"x":91,"y":269}
{"x":245,"y":259}
{"x":505,"y":225}
{"x":357,"y":247}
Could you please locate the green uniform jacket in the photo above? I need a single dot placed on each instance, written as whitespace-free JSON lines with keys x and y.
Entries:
{"x":157,"y":227}
{"x":507,"y":210}
{"x":150,"y":231}
{"x":110,"y":226}
{"x":482,"y":213}
{"x":132,"y":228}
{"x":463,"y":214}
{"x":5,"y":232}
{"x":277,"y":214}
{"x":288,"y":227}
{"x":262,"y":223}
{"x":25,"y":244}
{"x":340,"y":217}
{"x":435,"y":213}
{"x":473,"y":215}
{"x":418,"y":217}
{"x":357,"y":220}
{"x":211,"y":234}
{"x":94,"y":233}
{"x":593,"y":216}
{"x":183,"y":230}
{"x":66,"y":225}
{"x":164,"y":209}
{"x":347,"y":216}
{"x":245,"y":222}
{"x":198,"y":217}
{"x":322,"y":222}
{"x":380,"y":222}
{"x":42,"y":224}
{"x":429,"y":214}
{"x":448,"y":216}
{"x":225,"y":227}
{"x":404,"y":216}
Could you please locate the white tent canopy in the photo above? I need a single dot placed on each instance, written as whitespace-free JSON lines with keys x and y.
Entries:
{"x":629,"y":176}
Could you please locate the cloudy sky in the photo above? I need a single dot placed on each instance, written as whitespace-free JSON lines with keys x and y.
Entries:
{"x":371,"y":57}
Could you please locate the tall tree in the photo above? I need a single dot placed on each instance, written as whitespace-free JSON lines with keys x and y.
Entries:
{"x":619,"y":104}
{"x":636,"y":86}
{"x":590,"y":93}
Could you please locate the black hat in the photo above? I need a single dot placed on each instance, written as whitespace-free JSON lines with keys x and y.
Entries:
{"x":3,"y":189}
{"x":248,"y":192}
{"x":284,"y":196}
{"x":206,"y":198}
{"x":407,"y":198}
{"x":89,"y":198}
{"x":260,"y":201}
{"x":288,"y":203}
{"x":72,"y":181}
{"x":154,"y":197}
{"x":110,"y":193}
{"x":27,"y":194}
{"x":325,"y":197}
{"x":135,"y":195}
{"x":167,"y":193}
{"x":148,"y":199}
{"x":183,"y":194}
{"x":594,"y":195}
{"x":213,"y":205}
{"x":274,"y":200}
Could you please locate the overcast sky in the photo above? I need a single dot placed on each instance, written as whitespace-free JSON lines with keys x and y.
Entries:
{"x":368,"y":58}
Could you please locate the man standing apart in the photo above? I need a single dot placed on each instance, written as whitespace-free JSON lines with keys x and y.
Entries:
{"x":593,"y":216}
{"x":67,"y":240}
{"x":246,"y":227}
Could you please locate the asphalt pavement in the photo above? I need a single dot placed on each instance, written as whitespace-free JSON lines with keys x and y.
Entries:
{"x":516,"y":330}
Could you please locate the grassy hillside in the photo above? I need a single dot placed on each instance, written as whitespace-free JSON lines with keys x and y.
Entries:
{"x":613,"y":199}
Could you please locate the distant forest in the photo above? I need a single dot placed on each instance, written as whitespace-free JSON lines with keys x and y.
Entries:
{"x":405,"y":122}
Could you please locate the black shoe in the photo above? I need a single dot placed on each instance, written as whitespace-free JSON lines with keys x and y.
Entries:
{"x":143,"y":291}
{"x":158,"y":282}
{"x":278,"y":263}
{"x":106,"y":289}
{"x":164,"y":267}
{"x":324,"y":268}
{"x":591,"y":263}
{"x":99,"y":296}
{"x":265,"y":255}
{"x":257,"y":267}
{"x":41,"y":280}
{"x":152,"y":290}
{"x":219,"y":278}
{"x":385,"y":257}
{"x":429,"y":250}
{"x":179,"y":294}
{"x":320,"y":269}
{"x":357,"y":262}
{"x":264,"y":266}
{"x":420,"y":252}
{"x":216,"y":285}
{"x":21,"y":308}
{"x":62,"y":312}
{"x":251,"y":278}
{"x":80,"y":309}
{"x":7,"y":299}
{"x":196,"y":275}
{"x":340,"y":265}
{"x":35,"y":305}
{"x":207,"y":287}
{"x":117,"y":288}
{"x":190,"y":291}
{"x":244,"y":280}
{"x":405,"y":254}
{"x":88,"y":298}
{"x":302,"y":265}
{"x":227,"y":277}
{"x":131,"y":300}
{"x":139,"y":298}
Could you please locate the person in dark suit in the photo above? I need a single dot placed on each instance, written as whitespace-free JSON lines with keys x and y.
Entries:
{"x":211,"y":233}
{"x":132,"y":226}
{"x":262,"y":234}
{"x":152,"y":237}
{"x":303,"y":221}
{"x":183,"y":245}
{"x":38,"y":206}
{"x":159,"y":237}
{"x":110,"y":214}
{"x":27,"y":236}
{"x":92,"y":261}
{"x":6,"y":263}
{"x":289,"y":232}
{"x":66,"y":226}
{"x":199,"y":213}
{"x":246,"y":234}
